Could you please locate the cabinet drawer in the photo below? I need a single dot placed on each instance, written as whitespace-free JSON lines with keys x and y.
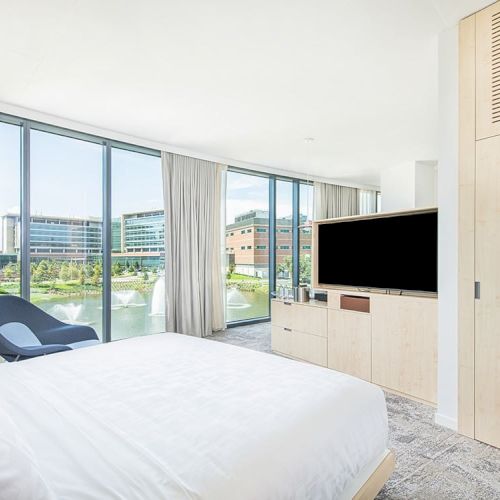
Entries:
{"x":300,"y":317}
{"x":281,"y":340}
{"x":310,"y":348}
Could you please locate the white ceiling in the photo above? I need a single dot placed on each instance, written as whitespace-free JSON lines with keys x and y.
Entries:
{"x":245,"y":80}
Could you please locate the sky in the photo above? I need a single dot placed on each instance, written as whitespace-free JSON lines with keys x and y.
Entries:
{"x":66,"y":180}
{"x":66,"y":176}
{"x":248,"y":192}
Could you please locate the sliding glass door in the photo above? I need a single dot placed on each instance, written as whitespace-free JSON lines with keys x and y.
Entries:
{"x":66,"y":228}
{"x":247,"y":246}
{"x":10,"y":208}
{"x":138,"y":245}
{"x":268,"y":235}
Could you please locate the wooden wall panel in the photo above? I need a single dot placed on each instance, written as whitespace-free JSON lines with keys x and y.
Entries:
{"x":488,"y":71}
{"x":466,"y":217}
{"x":487,"y":317}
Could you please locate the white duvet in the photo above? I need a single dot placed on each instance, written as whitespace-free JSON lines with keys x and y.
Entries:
{"x":175,"y":417}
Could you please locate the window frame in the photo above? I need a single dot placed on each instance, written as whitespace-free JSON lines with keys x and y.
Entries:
{"x":27,"y":125}
{"x":295,"y":230}
{"x":107,"y":144}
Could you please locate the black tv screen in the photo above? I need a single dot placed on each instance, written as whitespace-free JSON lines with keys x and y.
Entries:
{"x":394,"y":252}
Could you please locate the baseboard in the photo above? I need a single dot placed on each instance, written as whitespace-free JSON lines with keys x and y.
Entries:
{"x":445,"y":421}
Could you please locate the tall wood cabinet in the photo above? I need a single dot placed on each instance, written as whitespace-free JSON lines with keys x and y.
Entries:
{"x":479,"y":226}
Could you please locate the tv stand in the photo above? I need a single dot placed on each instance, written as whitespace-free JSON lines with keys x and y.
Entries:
{"x":387,"y":339}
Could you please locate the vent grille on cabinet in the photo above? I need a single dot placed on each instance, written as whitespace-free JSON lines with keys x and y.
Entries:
{"x":495,"y":67}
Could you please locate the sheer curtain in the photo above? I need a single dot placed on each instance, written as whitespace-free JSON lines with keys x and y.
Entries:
{"x":367,"y":201}
{"x":331,"y":201}
{"x":193,"y":190}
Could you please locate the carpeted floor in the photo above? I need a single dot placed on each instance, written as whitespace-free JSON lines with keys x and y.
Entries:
{"x":432,"y":462}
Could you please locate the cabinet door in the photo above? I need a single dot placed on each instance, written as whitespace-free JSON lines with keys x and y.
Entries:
{"x":487,"y":308}
{"x":404,"y":345}
{"x":349,"y":343}
{"x":488,"y":72}
{"x":281,"y":340}
{"x":310,"y":348}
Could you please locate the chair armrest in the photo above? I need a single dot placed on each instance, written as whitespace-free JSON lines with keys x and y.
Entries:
{"x":40,"y":350}
{"x":67,"y":334}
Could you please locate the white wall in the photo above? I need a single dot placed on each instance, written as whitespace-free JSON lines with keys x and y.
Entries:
{"x":409,"y":185}
{"x":447,"y":410}
{"x":426,"y":184}
{"x":397,"y":187}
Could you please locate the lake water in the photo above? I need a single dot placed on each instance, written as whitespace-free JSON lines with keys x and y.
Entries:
{"x":141,"y":313}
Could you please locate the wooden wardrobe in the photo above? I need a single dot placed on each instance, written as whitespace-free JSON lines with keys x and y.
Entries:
{"x":479,"y":226}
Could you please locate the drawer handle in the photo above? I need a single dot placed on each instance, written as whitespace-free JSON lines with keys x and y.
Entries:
{"x":287,"y":303}
{"x":287,"y":329}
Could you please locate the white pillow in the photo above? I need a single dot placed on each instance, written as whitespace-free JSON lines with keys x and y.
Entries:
{"x":20,"y":478}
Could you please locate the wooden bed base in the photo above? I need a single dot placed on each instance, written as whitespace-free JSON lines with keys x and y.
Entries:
{"x":376,"y":481}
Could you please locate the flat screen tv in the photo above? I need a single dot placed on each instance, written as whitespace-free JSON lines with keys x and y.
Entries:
{"x":394,"y":252}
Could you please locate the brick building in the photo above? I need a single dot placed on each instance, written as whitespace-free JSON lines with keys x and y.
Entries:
{"x":247,"y":242}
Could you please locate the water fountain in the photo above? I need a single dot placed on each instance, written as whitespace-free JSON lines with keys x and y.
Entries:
{"x":236,"y":300}
{"x":126,"y":298}
{"x":69,"y":313}
{"x":158,"y":299}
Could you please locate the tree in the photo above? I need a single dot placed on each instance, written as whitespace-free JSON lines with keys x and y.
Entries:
{"x":286,"y":265}
{"x":96,"y":274}
{"x":117,"y":269}
{"x":10,"y":270}
{"x":41,"y":272}
{"x":305,"y":268}
{"x":53,"y":270}
{"x":65,"y":272}
{"x":81,"y":276}
{"x":74,"y":270}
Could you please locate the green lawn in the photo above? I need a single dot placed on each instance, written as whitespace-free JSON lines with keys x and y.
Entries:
{"x":243,"y":277}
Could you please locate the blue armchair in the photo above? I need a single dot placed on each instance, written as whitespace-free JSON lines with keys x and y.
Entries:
{"x":26,"y":331}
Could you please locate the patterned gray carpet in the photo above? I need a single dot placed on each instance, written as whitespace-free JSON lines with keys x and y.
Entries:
{"x":432,"y":462}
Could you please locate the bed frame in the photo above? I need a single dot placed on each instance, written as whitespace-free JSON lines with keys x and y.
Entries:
{"x":376,"y":481}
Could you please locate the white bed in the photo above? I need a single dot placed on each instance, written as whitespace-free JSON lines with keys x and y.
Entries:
{"x":175,"y":417}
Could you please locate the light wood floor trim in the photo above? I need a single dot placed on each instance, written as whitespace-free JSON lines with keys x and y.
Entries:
{"x":376,"y":481}
{"x":466,"y":225}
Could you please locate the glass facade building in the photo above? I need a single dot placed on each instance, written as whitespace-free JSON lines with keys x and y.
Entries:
{"x":143,"y":232}
{"x":54,"y":237}
{"x":74,"y":238}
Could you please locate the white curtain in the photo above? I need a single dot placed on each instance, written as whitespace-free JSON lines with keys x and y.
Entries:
{"x":193,"y":255}
{"x":367,"y":201}
{"x":332,"y":201}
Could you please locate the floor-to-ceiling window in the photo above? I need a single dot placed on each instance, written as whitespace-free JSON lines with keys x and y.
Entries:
{"x":138,"y":245}
{"x":58,"y":182}
{"x":10,"y":206}
{"x":284,"y":233}
{"x":66,"y":228}
{"x":268,"y":240}
{"x":247,"y":246}
{"x":306,"y":194}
